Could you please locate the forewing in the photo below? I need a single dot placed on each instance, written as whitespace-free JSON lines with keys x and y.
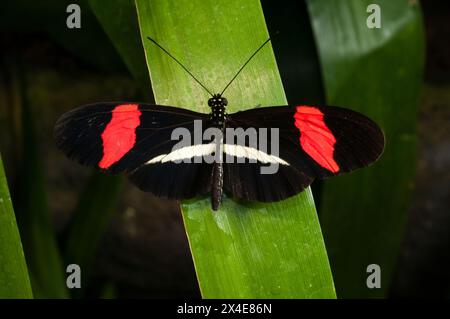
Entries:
{"x":125,"y":137}
{"x":120,"y":136}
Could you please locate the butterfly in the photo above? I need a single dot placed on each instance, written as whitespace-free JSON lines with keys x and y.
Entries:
{"x":272,"y":153}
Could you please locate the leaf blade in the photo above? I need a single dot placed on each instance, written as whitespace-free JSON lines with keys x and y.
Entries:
{"x":14,"y":279}
{"x":224,"y":268}
{"x":366,"y":70}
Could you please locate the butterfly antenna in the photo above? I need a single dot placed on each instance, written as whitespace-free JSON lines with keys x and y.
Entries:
{"x":243,"y":66}
{"x":179,"y":63}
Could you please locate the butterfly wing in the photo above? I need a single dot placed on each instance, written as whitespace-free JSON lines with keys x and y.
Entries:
{"x":128,"y":137}
{"x":314,"y":142}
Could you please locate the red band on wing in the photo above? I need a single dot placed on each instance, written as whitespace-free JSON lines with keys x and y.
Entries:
{"x":316,"y":138}
{"x":119,"y":135}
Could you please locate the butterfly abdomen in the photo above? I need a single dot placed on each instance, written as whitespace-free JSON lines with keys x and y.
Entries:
{"x":217,"y":185}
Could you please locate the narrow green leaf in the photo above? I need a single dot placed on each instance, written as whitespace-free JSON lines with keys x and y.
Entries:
{"x":377,"y":72}
{"x":88,"y":43}
{"x":14,"y":280}
{"x":244,"y":250}
{"x":119,"y":21}
{"x":38,"y":234}
{"x":96,"y":208}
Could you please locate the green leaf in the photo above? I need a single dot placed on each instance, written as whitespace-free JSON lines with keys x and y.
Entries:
{"x":14,"y":280}
{"x":244,"y":250}
{"x":96,"y":208}
{"x":89,"y":43}
{"x":377,"y":72}
{"x":33,"y":214}
{"x":119,"y":21}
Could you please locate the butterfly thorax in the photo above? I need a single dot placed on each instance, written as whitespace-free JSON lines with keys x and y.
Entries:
{"x":218,"y":110}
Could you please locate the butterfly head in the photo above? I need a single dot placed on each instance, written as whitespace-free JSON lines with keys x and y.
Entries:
{"x":218,"y":112}
{"x":217,"y":101}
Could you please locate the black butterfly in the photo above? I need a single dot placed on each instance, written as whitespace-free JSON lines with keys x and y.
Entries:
{"x":306,"y":142}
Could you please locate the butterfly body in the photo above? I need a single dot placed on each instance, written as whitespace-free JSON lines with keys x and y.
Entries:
{"x":218,"y":119}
